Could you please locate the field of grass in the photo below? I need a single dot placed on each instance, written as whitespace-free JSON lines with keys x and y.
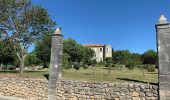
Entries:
{"x":100,"y":75}
{"x":115,"y":75}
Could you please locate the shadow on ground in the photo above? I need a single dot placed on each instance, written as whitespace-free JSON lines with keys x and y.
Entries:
{"x":46,"y":76}
{"x":87,"y":74}
{"x":132,"y":80}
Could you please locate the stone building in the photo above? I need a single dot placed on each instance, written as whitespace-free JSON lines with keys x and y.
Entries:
{"x":102,"y":51}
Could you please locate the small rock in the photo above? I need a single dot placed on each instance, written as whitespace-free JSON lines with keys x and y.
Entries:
{"x":135,"y":94}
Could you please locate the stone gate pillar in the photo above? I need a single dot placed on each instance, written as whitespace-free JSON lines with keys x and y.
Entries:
{"x":163,"y":48}
{"x":55,"y":63}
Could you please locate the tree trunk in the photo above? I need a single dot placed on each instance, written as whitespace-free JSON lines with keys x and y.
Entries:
{"x":109,"y":69}
{"x":93,"y":70}
{"x":21,"y":59}
{"x":22,"y":66}
{"x":1,"y":66}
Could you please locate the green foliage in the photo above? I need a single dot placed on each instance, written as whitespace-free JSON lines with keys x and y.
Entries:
{"x":23,"y":23}
{"x":65,"y":62}
{"x":85,"y":67}
{"x":101,"y":63}
{"x":121,"y":56}
{"x":31,"y":59}
{"x":150,"y":57}
{"x":151,"y":68}
{"x":43,"y":49}
{"x":108,"y":60}
{"x":7,"y":54}
{"x":72,"y":52}
{"x":130,"y":60}
{"x":108,"y":63}
{"x":76,"y":51}
{"x":136,"y":58}
{"x":130,"y":64}
{"x":113,"y":65}
{"x":88,"y":57}
{"x":76,"y":65}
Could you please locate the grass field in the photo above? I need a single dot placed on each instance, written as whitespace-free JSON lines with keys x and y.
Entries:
{"x":115,"y":75}
{"x":100,"y":75}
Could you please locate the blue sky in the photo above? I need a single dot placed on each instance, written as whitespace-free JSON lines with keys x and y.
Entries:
{"x":125,"y":24}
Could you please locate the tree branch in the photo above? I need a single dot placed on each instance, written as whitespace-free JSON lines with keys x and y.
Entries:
{"x":19,"y":56}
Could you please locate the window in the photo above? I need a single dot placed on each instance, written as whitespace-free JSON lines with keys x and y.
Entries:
{"x":100,"y":49}
{"x":107,"y":49}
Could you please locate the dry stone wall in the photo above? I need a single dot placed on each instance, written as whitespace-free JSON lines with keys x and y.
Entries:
{"x":33,"y":89}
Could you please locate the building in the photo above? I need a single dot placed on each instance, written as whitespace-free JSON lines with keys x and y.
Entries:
{"x":102,"y":51}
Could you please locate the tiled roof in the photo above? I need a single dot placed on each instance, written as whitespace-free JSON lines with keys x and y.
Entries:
{"x":93,"y":45}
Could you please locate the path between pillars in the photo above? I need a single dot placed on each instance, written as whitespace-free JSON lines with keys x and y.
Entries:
{"x":10,"y":98}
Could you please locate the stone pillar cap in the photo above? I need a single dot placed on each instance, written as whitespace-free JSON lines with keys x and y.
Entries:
{"x":162,"y":19}
{"x":58,"y":31}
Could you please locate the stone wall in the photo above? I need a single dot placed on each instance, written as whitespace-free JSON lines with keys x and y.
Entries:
{"x":33,"y":89}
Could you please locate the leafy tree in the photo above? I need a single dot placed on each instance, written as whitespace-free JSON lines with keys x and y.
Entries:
{"x":75,"y":50}
{"x":31,"y":59}
{"x":65,"y":62}
{"x":130,"y":64}
{"x":108,"y":61}
{"x":7,"y":55}
{"x":89,"y":56}
{"x":43,"y":49}
{"x":136,"y":58}
{"x":72,"y":52}
{"x":23,"y":22}
{"x":121,"y":56}
{"x":149,"y":57}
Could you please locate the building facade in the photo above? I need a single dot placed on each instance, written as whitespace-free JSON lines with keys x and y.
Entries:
{"x":102,"y":51}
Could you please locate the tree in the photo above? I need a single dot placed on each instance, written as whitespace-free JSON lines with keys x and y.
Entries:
{"x":108,"y":61}
{"x":65,"y":62}
{"x":130,"y":64}
{"x":7,"y":55}
{"x":31,"y":59}
{"x":89,"y":56}
{"x":149,"y":57}
{"x":136,"y":57}
{"x":121,"y":56}
{"x":73,"y":53}
{"x":75,"y":50}
{"x":22,"y":22}
{"x":43,"y":49}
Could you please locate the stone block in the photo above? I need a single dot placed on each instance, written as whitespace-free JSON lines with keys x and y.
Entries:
{"x":135,"y":94}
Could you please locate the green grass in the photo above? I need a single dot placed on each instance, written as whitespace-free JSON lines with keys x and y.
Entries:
{"x":115,"y":75}
{"x":100,"y":75}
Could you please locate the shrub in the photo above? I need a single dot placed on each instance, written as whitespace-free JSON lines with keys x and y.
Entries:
{"x":113,"y":65}
{"x":67,"y":65}
{"x":107,"y":65}
{"x":101,"y":63}
{"x":151,"y":68}
{"x":146,"y":66}
{"x":85,"y":67}
{"x":77,"y":66}
{"x":130,"y":64}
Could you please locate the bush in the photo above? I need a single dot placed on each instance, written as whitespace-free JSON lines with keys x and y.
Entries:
{"x":107,"y":65}
{"x":130,"y":64}
{"x":77,"y":66}
{"x":67,"y":65}
{"x":85,"y":67}
{"x":101,"y":63}
{"x":151,"y":68}
{"x":113,"y":65}
{"x":146,"y":66}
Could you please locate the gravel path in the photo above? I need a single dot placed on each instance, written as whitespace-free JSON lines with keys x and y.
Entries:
{"x":10,"y":98}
